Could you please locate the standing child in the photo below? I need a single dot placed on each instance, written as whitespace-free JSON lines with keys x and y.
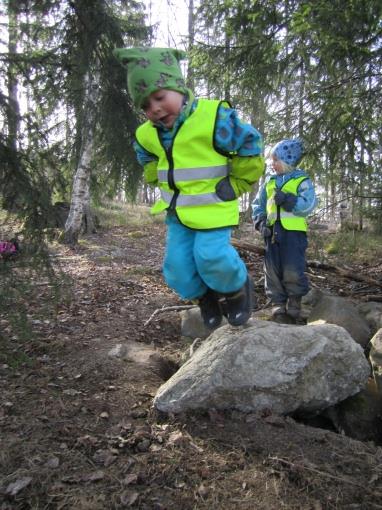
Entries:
{"x":279,"y":212}
{"x":202,"y":158}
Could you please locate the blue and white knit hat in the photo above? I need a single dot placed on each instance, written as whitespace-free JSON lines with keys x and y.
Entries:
{"x":290,"y":151}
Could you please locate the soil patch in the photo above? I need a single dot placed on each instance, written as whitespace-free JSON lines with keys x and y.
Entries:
{"x":78,"y":430}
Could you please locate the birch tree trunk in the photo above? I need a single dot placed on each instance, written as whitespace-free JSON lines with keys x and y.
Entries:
{"x":80,"y":202}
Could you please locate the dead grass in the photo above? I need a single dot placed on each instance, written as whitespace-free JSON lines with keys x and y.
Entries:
{"x":112,"y":214}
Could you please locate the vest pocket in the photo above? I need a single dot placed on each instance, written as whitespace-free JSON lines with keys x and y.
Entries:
{"x":224,"y":190}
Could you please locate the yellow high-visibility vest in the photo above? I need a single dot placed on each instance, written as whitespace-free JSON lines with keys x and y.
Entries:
{"x":288,"y":220}
{"x":190,"y":169}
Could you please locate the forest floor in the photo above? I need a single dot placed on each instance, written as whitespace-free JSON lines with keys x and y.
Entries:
{"x":78,"y":429}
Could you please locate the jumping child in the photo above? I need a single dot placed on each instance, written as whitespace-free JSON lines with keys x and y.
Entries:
{"x":202,"y":157}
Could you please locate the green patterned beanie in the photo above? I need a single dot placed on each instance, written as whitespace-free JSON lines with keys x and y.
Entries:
{"x":151,"y":69}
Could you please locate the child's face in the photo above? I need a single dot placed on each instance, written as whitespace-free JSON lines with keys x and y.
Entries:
{"x":163,"y":106}
{"x":277,"y":165}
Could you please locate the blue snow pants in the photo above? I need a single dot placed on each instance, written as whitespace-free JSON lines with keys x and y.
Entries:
{"x":284,"y":265}
{"x":197,"y":259}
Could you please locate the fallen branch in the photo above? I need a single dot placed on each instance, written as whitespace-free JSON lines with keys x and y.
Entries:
{"x":343,"y":272}
{"x":373,"y":297}
{"x":167,"y":309}
{"x":244,"y":245}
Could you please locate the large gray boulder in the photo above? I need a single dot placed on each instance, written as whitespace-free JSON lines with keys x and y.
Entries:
{"x":270,"y":366}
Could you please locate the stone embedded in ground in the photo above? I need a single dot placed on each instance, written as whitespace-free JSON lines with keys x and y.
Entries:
{"x":340,"y":311}
{"x":192,"y":325}
{"x":146,"y":356}
{"x":359,"y":416}
{"x":372,"y":313}
{"x":270,"y":366}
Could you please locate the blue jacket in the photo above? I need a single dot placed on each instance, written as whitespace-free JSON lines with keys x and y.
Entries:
{"x":306,"y":199}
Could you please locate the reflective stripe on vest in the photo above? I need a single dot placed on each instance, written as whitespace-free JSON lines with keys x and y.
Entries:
{"x":190,"y":174}
{"x":191,"y":200}
{"x":288,"y":220}
{"x":190,"y":169}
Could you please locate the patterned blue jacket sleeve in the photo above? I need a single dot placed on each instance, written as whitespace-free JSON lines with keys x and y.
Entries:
{"x":233,"y":135}
{"x":143,"y":156}
{"x":306,"y":199}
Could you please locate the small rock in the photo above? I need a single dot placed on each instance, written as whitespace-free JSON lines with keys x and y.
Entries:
{"x":14,"y":488}
{"x":52,"y":463}
{"x":144,"y":446}
{"x":138,"y":413}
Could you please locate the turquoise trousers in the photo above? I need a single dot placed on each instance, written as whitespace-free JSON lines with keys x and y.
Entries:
{"x":197,"y":259}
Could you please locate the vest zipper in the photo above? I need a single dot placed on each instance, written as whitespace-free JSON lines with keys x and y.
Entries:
{"x":278,"y":207}
{"x":170,"y":178}
{"x":277,"y":220}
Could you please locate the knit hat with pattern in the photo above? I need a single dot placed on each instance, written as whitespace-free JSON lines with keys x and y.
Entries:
{"x":289,"y":151}
{"x":151,"y":69}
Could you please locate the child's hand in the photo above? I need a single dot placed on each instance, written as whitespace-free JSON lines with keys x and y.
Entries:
{"x":261,"y":226}
{"x":289,"y":202}
{"x":279,"y":197}
{"x":286,"y":200}
{"x":224,"y":190}
{"x":265,"y":231}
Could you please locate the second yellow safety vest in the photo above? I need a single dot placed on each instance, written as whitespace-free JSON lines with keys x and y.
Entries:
{"x":288,"y":220}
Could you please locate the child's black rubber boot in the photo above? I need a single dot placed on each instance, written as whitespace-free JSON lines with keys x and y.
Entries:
{"x":239,"y":305}
{"x":294,"y":307}
{"x":210,"y":309}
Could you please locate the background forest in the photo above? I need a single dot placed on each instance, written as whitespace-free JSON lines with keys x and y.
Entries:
{"x":292,"y":68}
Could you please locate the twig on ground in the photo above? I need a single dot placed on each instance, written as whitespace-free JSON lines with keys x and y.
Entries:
{"x":322,"y":473}
{"x":373,"y":297}
{"x":168,"y":309}
{"x":314,"y":275}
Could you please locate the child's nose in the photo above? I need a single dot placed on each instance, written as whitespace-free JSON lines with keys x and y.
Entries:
{"x":155,"y":108}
